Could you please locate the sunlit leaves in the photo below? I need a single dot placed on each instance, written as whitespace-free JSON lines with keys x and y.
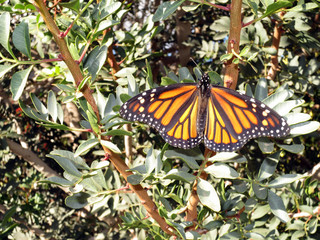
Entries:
{"x":18,"y":82}
{"x":208,"y":195}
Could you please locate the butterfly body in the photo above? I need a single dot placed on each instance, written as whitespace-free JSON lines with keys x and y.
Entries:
{"x":187,"y":113}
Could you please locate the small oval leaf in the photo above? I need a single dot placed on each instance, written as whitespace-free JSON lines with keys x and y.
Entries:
{"x":77,"y":200}
{"x":222,"y":170}
{"x":86,"y":146}
{"x":277,"y":207}
{"x":110,"y":146}
{"x":208,"y":195}
{"x":18,"y":82}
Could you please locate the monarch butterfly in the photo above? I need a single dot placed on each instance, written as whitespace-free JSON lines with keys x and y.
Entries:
{"x":187,"y":113}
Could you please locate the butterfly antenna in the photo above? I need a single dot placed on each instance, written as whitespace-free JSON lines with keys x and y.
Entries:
{"x":197,"y":66}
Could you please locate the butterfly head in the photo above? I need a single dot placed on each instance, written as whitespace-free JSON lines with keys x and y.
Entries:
{"x":204,"y":83}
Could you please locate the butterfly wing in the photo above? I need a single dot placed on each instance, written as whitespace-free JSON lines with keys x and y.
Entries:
{"x":233,"y":119}
{"x":172,"y":110}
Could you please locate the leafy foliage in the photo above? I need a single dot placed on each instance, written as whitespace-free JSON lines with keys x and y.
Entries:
{"x":260,"y":192}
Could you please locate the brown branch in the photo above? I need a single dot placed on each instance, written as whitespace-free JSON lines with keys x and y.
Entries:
{"x":65,"y":54}
{"x":128,"y":144}
{"x":138,"y":189}
{"x":191,"y":211}
{"x":112,"y":60}
{"x":31,"y":158}
{"x":277,"y":32}
{"x":231,"y":71}
{"x":78,"y":77}
{"x":315,"y":212}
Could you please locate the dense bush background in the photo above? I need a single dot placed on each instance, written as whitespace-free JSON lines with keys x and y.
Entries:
{"x":128,"y":47}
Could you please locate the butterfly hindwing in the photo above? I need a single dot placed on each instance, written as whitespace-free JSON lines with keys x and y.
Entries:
{"x":233,"y":119}
{"x":172,"y":110}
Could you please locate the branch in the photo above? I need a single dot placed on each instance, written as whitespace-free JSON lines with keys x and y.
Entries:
{"x":277,"y":32}
{"x":191,"y":211}
{"x":115,"y":159}
{"x":231,"y":71}
{"x":31,"y":158}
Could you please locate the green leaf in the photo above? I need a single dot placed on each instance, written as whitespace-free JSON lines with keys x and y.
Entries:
{"x":135,"y":179}
{"x":283,"y":180}
{"x":151,"y":160}
{"x":38,"y":104}
{"x":99,"y":165}
{"x":18,"y":82}
{"x":221,"y":170}
{"x":21,"y":38}
{"x":93,"y":121}
{"x":265,"y":145}
{"x":208,"y":195}
{"x":77,"y":161}
{"x":254,"y":6}
{"x":52,"y":105}
{"x":7,"y":216}
{"x":106,"y":24}
{"x":165,"y":81}
{"x":277,"y":207}
{"x":274,"y":7}
{"x":5,"y":32}
{"x":236,"y":60}
{"x":313,"y":225}
{"x":188,"y":156}
{"x":108,"y":8}
{"x":33,"y":114}
{"x":294,"y":148}
{"x":261,"y":91}
{"x":215,"y":78}
{"x":278,"y":97}
{"x":190,"y":8}
{"x":58,"y":181}
{"x":60,"y":113}
{"x":166,"y":9}
{"x":254,"y":236}
{"x":228,"y":157}
{"x":259,"y":191}
{"x":117,"y":132}
{"x":260,"y":211}
{"x":66,"y":164}
{"x":5,"y":68}
{"x":245,"y":51}
{"x":226,"y":57}
{"x":124,"y":72}
{"x":84,"y":147}
{"x":73,"y":4}
{"x":110,"y":146}
{"x":99,"y":179}
{"x":96,"y":59}
{"x":268,"y":166}
{"x":305,"y":7}
{"x":77,"y":200}
{"x":180,"y":175}
{"x":184,"y":74}
{"x":294,"y":118}
{"x":285,"y":107}
{"x":83,"y":83}
{"x":304,"y":128}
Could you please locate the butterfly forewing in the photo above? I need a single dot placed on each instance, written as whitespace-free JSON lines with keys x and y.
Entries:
{"x":172,"y":110}
{"x":234,"y":118}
